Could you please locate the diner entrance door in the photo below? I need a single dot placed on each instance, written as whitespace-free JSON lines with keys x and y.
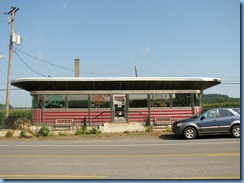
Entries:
{"x":119,"y":108}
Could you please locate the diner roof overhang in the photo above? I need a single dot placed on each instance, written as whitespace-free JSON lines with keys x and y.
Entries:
{"x":115,"y":83}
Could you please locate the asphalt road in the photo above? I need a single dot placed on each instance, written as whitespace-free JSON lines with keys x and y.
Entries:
{"x":164,"y":157}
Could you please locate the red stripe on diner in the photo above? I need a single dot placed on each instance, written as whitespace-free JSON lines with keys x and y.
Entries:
{"x":64,"y":113}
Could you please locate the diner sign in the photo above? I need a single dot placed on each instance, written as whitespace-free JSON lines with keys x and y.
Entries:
{"x":159,"y":95}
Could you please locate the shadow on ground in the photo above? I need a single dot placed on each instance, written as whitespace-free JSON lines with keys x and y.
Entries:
{"x":178,"y":137}
{"x":170,"y":137}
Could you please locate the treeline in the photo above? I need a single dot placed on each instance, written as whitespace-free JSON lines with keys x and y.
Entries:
{"x":218,"y":100}
{"x":2,"y":106}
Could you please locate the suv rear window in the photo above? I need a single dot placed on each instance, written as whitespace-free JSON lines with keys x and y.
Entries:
{"x":224,"y":113}
{"x":236,"y":110}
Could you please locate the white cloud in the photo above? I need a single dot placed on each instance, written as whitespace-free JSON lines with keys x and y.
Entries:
{"x":147,"y":50}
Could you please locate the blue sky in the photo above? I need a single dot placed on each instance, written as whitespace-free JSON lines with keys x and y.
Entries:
{"x":163,"y":38}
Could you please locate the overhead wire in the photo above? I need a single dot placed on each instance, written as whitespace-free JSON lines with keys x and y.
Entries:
{"x":28,"y":65}
{"x":93,"y":73}
{"x":3,"y":89}
{"x":152,"y":72}
{"x":65,"y":68}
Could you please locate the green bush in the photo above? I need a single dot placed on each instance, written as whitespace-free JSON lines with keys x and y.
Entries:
{"x":149,"y":129}
{"x":22,"y":123}
{"x":15,"y":114}
{"x":22,"y":133}
{"x":10,"y":133}
{"x":94,"y":131}
{"x":64,"y":134}
{"x":2,"y":118}
{"x":21,"y":113}
{"x":44,"y":131}
{"x":81,"y":130}
{"x":51,"y":134}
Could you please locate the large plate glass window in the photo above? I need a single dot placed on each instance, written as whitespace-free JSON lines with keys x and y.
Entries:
{"x":181,"y":100}
{"x":77,"y":101}
{"x":196,"y":99}
{"x":159,"y":100}
{"x":37,"y":102}
{"x":54,"y":101}
{"x":100,"y":101}
{"x":137,"y":100}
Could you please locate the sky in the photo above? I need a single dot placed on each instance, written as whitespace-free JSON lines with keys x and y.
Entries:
{"x":162,"y":38}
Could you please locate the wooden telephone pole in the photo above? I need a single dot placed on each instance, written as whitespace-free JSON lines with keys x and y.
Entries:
{"x":12,"y":12}
{"x":136,"y":71}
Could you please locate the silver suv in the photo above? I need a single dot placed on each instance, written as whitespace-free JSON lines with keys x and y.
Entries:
{"x":210,"y":121}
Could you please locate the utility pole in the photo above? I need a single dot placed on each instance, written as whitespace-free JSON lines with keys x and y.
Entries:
{"x":136,"y":71}
{"x":12,"y":12}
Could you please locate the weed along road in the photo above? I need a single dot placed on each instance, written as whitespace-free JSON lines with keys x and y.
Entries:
{"x":121,"y":158}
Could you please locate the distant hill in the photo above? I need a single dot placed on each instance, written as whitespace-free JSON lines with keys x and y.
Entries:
{"x":213,"y":98}
{"x":219,"y":100}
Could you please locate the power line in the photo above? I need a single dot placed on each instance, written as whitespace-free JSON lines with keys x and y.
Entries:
{"x":65,"y":68}
{"x":10,"y":89}
{"x":28,"y":65}
{"x":152,"y":72}
{"x":44,"y":61}
{"x":93,"y":73}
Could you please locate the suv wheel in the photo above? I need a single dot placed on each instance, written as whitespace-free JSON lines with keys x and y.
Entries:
{"x":189,"y":133}
{"x":236,"y":131}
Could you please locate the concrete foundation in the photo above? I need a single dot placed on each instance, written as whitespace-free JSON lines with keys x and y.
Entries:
{"x":121,"y":127}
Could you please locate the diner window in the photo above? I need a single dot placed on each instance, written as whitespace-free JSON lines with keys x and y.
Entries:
{"x":159,"y":100}
{"x":77,"y":101}
{"x":54,"y":101}
{"x":181,"y":100}
{"x":196,"y":100}
{"x":37,"y":102}
{"x":137,"y":100}
{"x":100,"y":101}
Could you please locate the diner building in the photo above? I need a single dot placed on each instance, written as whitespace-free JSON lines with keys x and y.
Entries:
{"x":114,"y":100}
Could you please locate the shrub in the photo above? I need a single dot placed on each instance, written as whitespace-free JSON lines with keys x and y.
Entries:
{"x":81,"y":130}
{"x":44,"y":131}
{"x":22,"y":123}
{"x":94,"y":131}
{"x":64,"y":134}
{"x":22,"y":113}
{"x":22,"y":133}
{"x":10,"y":133}
{"x":51,"y":134}
{"x":15,"y":114}
{"x":2,"y":118}
{"x":149,"y":129}
{"x":78,"y":132}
